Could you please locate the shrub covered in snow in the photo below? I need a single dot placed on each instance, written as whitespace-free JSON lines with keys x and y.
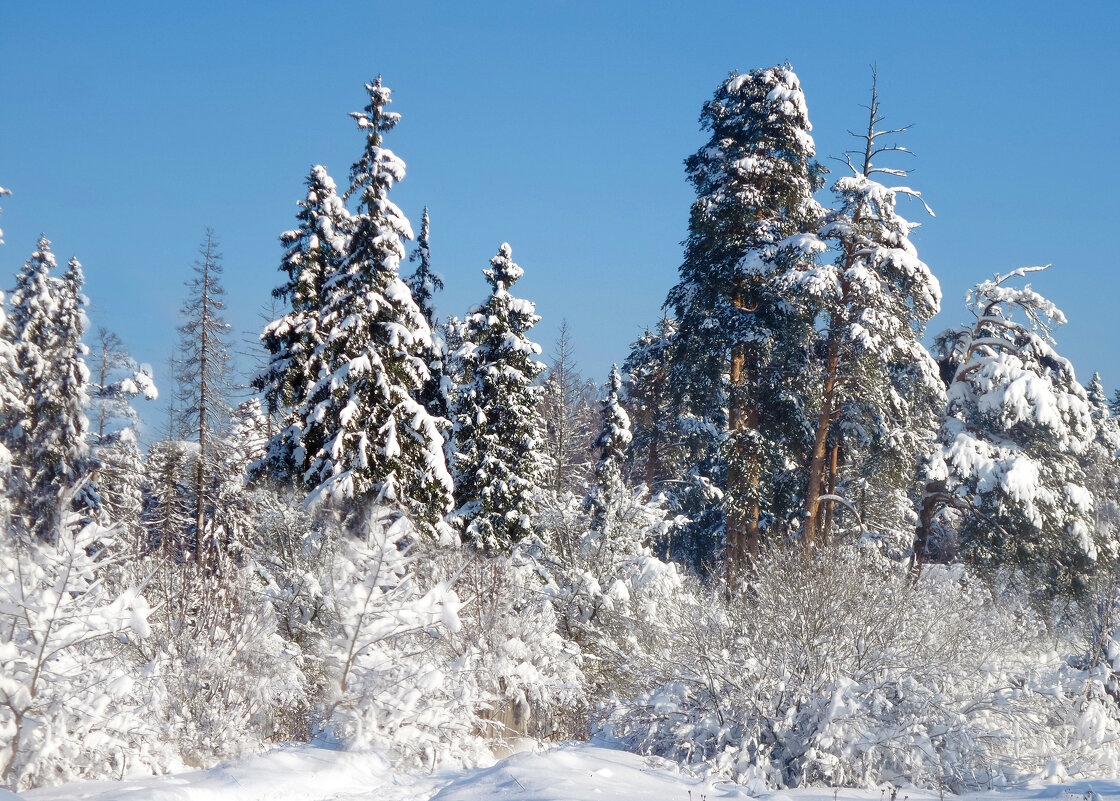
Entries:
{"x":65,"y":709}
{"x":845,"y":671}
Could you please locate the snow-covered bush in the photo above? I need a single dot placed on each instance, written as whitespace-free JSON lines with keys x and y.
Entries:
{"x":216,"y":676}
{"x":839,"y":669}
{"x":65,"y":711}
{"x":613,"y":596}
{"x":386,"y":682}
{"x":515,"y":670}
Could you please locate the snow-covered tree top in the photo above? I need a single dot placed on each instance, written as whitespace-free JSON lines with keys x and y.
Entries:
{"x":503,"y":272}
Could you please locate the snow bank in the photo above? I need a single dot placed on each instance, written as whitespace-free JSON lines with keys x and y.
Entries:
{"x":570,"y":772}
{"x":583,"y":771}
{"x":293,"y":773}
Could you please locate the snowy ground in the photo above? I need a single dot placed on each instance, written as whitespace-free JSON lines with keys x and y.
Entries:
{"x":573,"y":772}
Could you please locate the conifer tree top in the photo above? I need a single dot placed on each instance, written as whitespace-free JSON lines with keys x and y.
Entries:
{"x":503,"y":272}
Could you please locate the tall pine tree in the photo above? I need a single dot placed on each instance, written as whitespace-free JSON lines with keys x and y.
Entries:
{"x":738,"y":329}
{"x":424,"y":283}
{"x":499,"y":462}
{"x":204,"y":380}
{"x":879,"y":387}
{"x":375,"y":442}
{"x":46,"y":436}
{"x":290,"y":382}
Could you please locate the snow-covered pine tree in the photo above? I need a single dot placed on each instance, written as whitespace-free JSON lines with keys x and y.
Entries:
{"x":611,"y":444}
{"x":29,"y":329}
{"x":672,"y":451}
{"x":168,"y":497}
{"x":11,"y":400}
{"x":374,"y":441}
{"x":1101,"y":463}
{"x":313,"y":253}
{"x":70,"y":441}
{"x":120,"y":480}
{"x":424,"y":283}
{"x":47,"y":437}
{"x":1012,"y":435}
{"x":568,"y":412}
{"x":499,"y":462}
{"x":754,"y":181}
{"x":116,"y":380}
{"x":880,"y":388}
{"x":204,"y":378}
{"x":647,"y":369}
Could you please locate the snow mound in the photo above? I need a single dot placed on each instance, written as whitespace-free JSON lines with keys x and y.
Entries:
{"x":583,"y":772}
{"x":293,"y":773}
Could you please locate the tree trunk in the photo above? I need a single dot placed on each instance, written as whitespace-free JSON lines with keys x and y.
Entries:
{"x":833,"y":471}
{"x":929,"y":509}
{"x":820,"y":438}
{"x":737,"y":521}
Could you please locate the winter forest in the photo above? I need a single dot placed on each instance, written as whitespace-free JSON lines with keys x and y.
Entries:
{"x":792,"y":539}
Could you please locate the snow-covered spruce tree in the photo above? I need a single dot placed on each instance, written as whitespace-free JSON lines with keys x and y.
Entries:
{"x":117,"y":379}
{"x":647,"y":369}
{"x":424,"y":283}
{"x":313,"y":254}
{"x":754,"y":182}
{"x":1008,"y":453}
{"x":48,"y":439}
{"x":880,"y":388}
{"x":499,"y":462}
{"x":368,"y":439}
{"x":611,"y":444}
{"x":120,"y":481}
{"x":568,"y":414}
{"x":204,"y":381}
{"x":1101,"y":463}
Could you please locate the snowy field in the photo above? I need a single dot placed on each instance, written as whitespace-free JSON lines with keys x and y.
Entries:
{"x":571,"y":772}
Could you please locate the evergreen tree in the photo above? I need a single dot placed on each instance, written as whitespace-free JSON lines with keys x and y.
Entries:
{"x":738,"y":323}
{"x":69,"y":441}
{"x":672,"y":451}
{"x":116,"y":380}
{"x":46,"y":435}
{"x":120,"y":481}
{"x":499,"y":465}
{"x":1101,"y":463}
{"x":879,"y":386}
{"x":424,"y":283}
{"x":204,"y":377}
{"x":611,"y":444}
{"x":11,"y":401}
{"x":647,"y":370}
{"x":290,"y":382}
{"x":169,"y":498}
{"x":372,"y":440}
{"x":1008,"y":452}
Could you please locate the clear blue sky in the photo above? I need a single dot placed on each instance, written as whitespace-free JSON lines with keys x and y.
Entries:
{"x":126,"y":128}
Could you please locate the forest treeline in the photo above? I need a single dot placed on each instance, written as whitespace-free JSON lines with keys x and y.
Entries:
{"x":785,"y":539}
